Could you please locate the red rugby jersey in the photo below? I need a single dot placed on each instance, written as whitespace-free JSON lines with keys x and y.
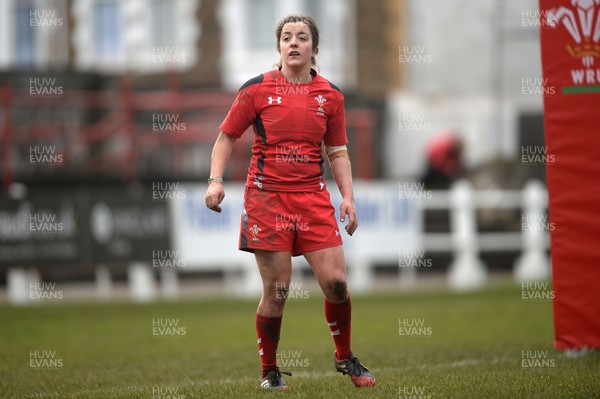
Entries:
{"x":291,"y":121}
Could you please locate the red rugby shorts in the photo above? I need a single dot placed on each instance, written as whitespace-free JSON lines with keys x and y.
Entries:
{"x":288,"y":221}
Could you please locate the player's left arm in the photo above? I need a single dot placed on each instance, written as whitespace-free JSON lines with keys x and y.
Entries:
{"x":335,"y":141}
{"x":342,"y":173}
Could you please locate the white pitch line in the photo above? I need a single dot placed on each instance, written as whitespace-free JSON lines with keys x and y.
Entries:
{"x":297,"y":374}
{"x":318,"y":374}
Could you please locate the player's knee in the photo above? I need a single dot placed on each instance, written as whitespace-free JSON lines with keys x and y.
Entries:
{"x":277,"y":293}
{"x":339,"y":290}
{"x":281,"y":292}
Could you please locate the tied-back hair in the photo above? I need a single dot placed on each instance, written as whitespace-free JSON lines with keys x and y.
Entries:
{"x":312,"y":27}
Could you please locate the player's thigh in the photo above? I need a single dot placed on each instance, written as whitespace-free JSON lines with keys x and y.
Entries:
{"x":274,"y":266}
{"x":259,"y":227}
{"x":328,"y":264}
{"x":318,"y":228}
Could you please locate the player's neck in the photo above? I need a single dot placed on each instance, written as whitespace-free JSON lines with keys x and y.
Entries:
{"x":297,"y":76}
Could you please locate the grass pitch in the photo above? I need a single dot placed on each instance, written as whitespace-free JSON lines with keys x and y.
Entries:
{"x":488,"y":344}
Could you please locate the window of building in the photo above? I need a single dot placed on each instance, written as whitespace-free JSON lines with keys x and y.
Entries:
{"x":164,"y":26}
{"x":145,"y":36}
{"x":262,"y":16}
{"x":106,"y":31}
{"x":25,"y":34}
{"x":249,"y":40}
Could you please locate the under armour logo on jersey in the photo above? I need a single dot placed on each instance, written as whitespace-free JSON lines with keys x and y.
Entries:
{"x":277,"y":100}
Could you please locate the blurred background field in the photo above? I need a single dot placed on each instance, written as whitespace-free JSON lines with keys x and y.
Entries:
{"x":108,"y":113}
{"x":472,"y":347}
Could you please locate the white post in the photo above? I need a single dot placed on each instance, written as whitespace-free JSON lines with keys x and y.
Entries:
{"x":103,"y":283}
{"x":534,"y":263}
{"x":467,"y":271}
{"x":360,"y":276}
{"x":407,"y":276}
{"x":142,"y":286}
{"x":252,"y":281}
{"x":298,"y":264}
{"x":17,"y":281}
{"x":246,"y":284}
{"x":169,"y":284}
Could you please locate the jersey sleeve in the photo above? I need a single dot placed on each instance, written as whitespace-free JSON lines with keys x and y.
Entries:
{"x":242,"y":112}
{"x":336,"y":124}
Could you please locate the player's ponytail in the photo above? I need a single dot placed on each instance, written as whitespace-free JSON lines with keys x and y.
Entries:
{"x":312,"y":26}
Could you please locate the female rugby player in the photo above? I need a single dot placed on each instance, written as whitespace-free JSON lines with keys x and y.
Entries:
{"x":287,"y":210}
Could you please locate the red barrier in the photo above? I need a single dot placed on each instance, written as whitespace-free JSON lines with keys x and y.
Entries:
{"x":123,"y":118}
{"x":570,"y":38}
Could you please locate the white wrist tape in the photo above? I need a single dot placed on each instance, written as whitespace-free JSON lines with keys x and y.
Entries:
{"x":336,"y":148}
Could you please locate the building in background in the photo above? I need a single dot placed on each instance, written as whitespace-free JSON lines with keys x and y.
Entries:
{"x":209,"y":47}
{"x":473,"y":68}
{"x":420,"y":66}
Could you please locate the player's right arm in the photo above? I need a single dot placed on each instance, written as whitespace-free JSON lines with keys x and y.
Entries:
{"x":220,"y":155}
{"x":240,"y":116}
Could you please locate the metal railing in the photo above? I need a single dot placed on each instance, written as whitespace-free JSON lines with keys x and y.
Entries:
{"x":111,"y":134}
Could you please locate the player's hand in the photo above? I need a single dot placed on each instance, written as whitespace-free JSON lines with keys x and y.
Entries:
{"x":214,"y":196}
{"x":347,"y":208}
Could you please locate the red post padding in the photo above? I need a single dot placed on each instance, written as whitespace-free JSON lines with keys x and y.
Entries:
{"x":570,"y":39}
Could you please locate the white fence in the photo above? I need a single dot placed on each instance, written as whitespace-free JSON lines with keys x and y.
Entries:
{"x":391,"y":231}
{"x":467,"y":270}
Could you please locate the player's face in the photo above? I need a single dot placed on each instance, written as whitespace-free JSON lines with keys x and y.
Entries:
{"x":295,"y":45}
